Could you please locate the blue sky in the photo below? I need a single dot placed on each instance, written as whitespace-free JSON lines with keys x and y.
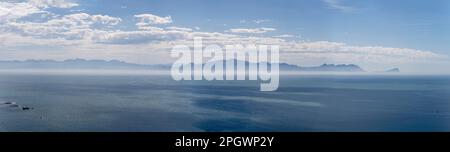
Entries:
{"x":399,"y":23}
{"x":373,"y":33}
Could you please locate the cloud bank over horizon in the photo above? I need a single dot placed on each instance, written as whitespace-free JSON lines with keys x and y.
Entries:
{"x":34,"y":30}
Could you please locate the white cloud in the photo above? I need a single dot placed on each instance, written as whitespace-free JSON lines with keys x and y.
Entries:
{"x":72,"y":26}
{"x":137,"y":37}
{"x":153,"y":19}
{"x":146,"y":20}
{"x":333,"y":52}
{"x":284,"y":36}
{"x":52,"y":3}
{"x":105,"y":19}
{"x":16,"y":10}
{"x":179,"y":28}
{"x":251,"y":30}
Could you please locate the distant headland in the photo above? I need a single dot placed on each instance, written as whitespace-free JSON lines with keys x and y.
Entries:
{"x":121,"y":65}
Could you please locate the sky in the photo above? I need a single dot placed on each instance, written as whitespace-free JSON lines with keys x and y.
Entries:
{"x":411,"y":35}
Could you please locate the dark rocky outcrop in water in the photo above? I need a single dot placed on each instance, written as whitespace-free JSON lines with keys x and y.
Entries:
{"x":14,"y":105}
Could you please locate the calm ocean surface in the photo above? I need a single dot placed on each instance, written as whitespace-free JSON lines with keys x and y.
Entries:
{"x":157,"y":103}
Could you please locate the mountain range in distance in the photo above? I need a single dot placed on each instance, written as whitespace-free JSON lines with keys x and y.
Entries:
{"x":116,"y":64}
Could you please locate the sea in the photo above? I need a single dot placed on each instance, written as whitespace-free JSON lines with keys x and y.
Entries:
{"x":156,"y":103}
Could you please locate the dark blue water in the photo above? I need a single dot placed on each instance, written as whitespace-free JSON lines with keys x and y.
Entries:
{"x":157,"y":103}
